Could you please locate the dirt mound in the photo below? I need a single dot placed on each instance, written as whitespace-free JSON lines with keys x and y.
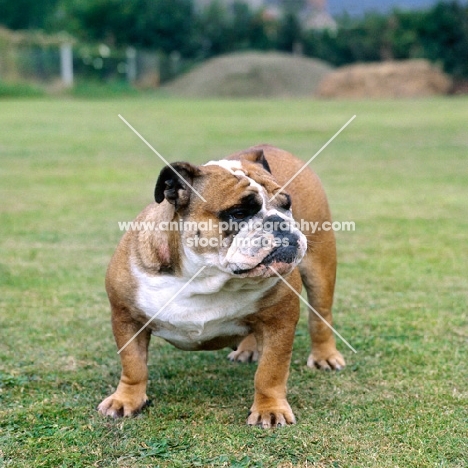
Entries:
{"x":409,"y":78}
{"x":252,"y":75}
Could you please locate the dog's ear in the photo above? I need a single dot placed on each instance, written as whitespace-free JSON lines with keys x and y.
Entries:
{"x":175,"y":183}
{"x":257,"y":156}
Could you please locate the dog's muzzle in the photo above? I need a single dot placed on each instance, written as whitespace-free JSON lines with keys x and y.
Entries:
{"x":288,"y":246}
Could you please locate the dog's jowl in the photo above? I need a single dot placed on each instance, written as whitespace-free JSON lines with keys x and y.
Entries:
{"x":206,"y":275}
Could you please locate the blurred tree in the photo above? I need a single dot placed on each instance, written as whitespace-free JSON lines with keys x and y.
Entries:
{"x":443,"y":36}
{"x":439,"y":34}
{"x":263,"y":32}
{"x":249,"y":29}
{"x":242,"y":18}
{"x":26,"y":14}
{"x":294,"y":6}
{"x":289,"y":32}
{"x":166,"y":25}
{"x":213,"y":23}
{"x":356,"y":41}
{"x":110,"y":21}
{"x":405,"y":38}
{"x":222,"y":29}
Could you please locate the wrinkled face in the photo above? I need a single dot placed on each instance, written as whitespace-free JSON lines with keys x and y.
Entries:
{"x":238,"y":229}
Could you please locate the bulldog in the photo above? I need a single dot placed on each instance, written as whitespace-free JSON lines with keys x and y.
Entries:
{"x":221,"y":263}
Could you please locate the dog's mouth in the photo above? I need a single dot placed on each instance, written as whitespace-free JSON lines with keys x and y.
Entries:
{"x":281,"y":258}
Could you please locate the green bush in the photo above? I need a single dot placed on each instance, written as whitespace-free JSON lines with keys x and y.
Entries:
{"x":98,"y":89}
{"x":15,"y":90}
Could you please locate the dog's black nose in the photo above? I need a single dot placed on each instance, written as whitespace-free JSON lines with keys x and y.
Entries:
{"x":281,"y":229}
{"x":275,"y":223}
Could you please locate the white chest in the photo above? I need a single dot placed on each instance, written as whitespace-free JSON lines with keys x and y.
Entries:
{"x":208,"y":307}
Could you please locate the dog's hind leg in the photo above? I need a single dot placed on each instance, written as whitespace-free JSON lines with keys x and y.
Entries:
{"x":247,"y":350}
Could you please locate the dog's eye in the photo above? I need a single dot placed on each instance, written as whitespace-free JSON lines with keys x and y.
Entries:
{"x":249,"y":206}
{"x":239,"y":214}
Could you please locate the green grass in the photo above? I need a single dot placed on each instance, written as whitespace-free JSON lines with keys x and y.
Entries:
{"x":70,"y":170}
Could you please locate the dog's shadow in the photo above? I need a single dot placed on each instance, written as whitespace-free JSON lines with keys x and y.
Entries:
{"x":189,"y":382}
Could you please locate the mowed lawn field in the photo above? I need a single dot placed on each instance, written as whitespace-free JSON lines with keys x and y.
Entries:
{"x":70,"y":170}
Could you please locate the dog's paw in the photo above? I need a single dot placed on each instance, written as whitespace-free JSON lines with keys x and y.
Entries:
{"x":243,"y":355}
{"x":118,"y":405}
{"x":268,"y":417}
{"x":331,"y":360}
{"x":246,"y":351}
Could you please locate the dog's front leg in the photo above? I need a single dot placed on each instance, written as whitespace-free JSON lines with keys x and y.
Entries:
{"x":275,"y":338}
{"x":130,"y":395}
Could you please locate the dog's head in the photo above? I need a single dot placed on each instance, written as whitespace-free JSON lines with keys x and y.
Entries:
{"x":233,"y":216}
